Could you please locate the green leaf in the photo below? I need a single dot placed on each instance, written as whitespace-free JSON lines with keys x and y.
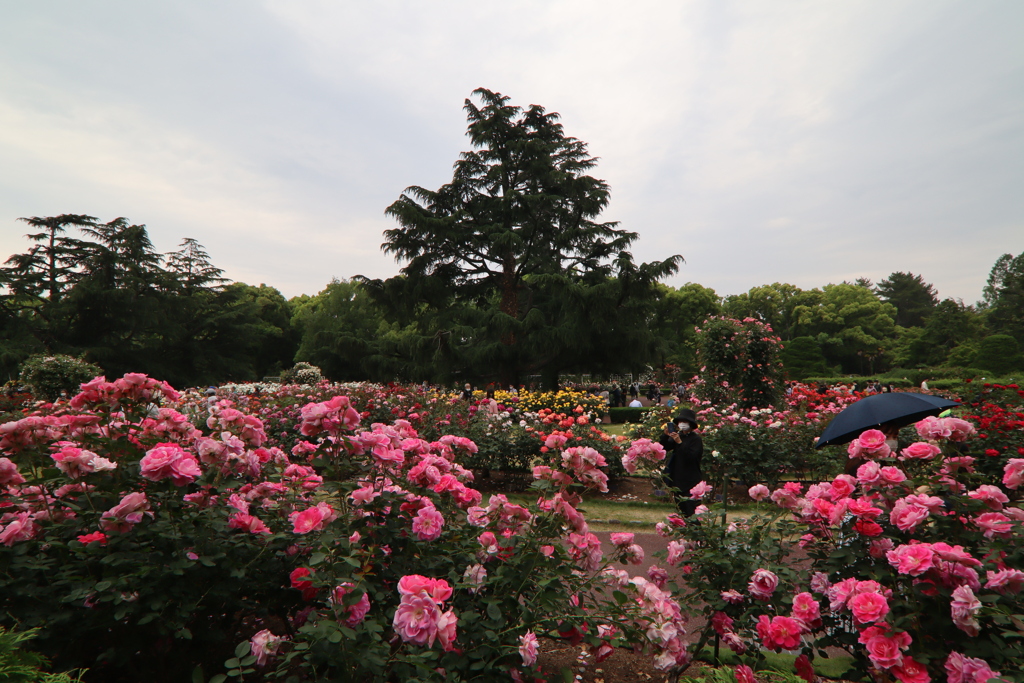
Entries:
{"x":219,"y":678}
{"x":197,"y":675}
{"x":620,"y":597}
{"x":567,"y":675}
{"x":316,"y":558}
{"x":233,"y":663}
{"x":103,"y":585}
{"x":493,"y":611}
{"x":243,"y":648}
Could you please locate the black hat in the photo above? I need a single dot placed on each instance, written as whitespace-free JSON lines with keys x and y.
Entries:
{"x":689,"y":416}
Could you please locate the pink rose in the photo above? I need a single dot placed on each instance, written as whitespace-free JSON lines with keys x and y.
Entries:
{"x":1013,"y":473}
{"x":246,"y":522}
{"x":676,"y":549}
{"x":356,"y":612}
{"x":933,"y":429}
{"x":700,"y":490}
{"x":415,"y":584}
{"x":891,"y":476}
{"x":310,"y":519}
{"x":446,"y":630}
{"x":126,"y":514}
{"x":779,"y":632}
{"x":869,"y":473}
{"x":870,"y":445}
{"x":428,"y":524}
{"x":992,"y":496}
{"x":733,"y":597}
{"x":912,"y":560}
{"x":622,"y":539}
{"x":416,"y":620}
{"x":906,"y":517}
{"x":1005,"y":581}
{"x":20,"y":528}
{"x":744,"y":674}
{"x":959,"y":429}
{"x":9,"y":475}
{"x":762,"y":584}
{"x":885,"y":649}
{"x":994,"y":524}
{"x":528,"y":648}
{"x":911,"y":671}
{"x":960,"y":669}
{"x":759,"y":492}
{"x":842,"y":487}
{"x":806,"y":610}
{"x":920,"y":450}
{"x":868,"y":607}
{"x":964,"y":609}
{"x":264,"y":645}
{"x":169,"y":461}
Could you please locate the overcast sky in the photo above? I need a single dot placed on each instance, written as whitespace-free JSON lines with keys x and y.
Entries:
{"x":794,"y":141}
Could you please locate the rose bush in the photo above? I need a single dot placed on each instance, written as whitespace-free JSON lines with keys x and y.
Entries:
{"x":145,"y":547}
{"x":913,"y":565}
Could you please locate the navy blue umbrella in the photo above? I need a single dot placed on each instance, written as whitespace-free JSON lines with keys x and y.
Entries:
{"x":872,"y":412}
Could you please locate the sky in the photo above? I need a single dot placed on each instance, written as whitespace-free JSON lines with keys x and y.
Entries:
{"x":790,"y":141}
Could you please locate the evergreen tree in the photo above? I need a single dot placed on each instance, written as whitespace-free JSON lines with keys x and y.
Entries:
{"x":1004,"y":296}
{"x":913,"y":298}
{"x":500,"y":260}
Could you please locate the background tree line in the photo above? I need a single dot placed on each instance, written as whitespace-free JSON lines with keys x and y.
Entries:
{"x":107,"y":295}
{"x":508,"y":274}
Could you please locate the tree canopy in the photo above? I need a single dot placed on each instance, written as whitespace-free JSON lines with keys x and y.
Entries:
{"x":507,"y":266}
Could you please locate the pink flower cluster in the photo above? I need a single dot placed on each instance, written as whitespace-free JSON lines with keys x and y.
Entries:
{"x":170,"y":461}
{"x":938,"y":428}
{"x":134,"y":387}
{"x":870,"y":445}
{"x":126,"y":514}
{"x":77,"y":462}
{"x":643,"y":450}
{"x":335,"y":417}
{"x":419,"y":619}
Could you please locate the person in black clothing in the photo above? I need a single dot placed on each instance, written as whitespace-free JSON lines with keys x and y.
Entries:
{"x":684,"y":450}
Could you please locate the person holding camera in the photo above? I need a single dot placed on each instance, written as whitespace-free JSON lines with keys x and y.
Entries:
{"x":684,"y":450}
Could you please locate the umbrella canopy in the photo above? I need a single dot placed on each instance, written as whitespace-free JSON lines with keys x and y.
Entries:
{"x":872,"y":412}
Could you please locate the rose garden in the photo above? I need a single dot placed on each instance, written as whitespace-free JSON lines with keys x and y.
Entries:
{"x":336,"y":532}
{"x":308,"y":529}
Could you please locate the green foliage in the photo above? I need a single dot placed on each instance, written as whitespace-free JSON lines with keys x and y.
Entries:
{"x":19,"y":665}
{"x":508,"y":272}
{"x":114,"y":300}
{"x":341,"y":330}
{"x":1004,"y":296}
{"x":802,"y":358}
{"x":913,"y":298}
{"x":50,"y":376}
{"x":628,"y":415}
{"x":851,"y":325}
{"x":676,"y":313}
{"x":1000,"y":354}
{"x":774,"y":304}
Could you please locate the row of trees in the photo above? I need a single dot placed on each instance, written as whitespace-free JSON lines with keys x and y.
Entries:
{"x":106,"y":293}
{"x":508,"y":273}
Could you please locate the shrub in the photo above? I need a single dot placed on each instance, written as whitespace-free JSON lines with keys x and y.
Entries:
{"x":628,"y":415}
{"x":147,"y":549}
{"x":913,"y":566}
{"x":302,"y":373}
{"x":738,"y":358}
{"x":50,"y":376}
{"x":19,"y":665}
